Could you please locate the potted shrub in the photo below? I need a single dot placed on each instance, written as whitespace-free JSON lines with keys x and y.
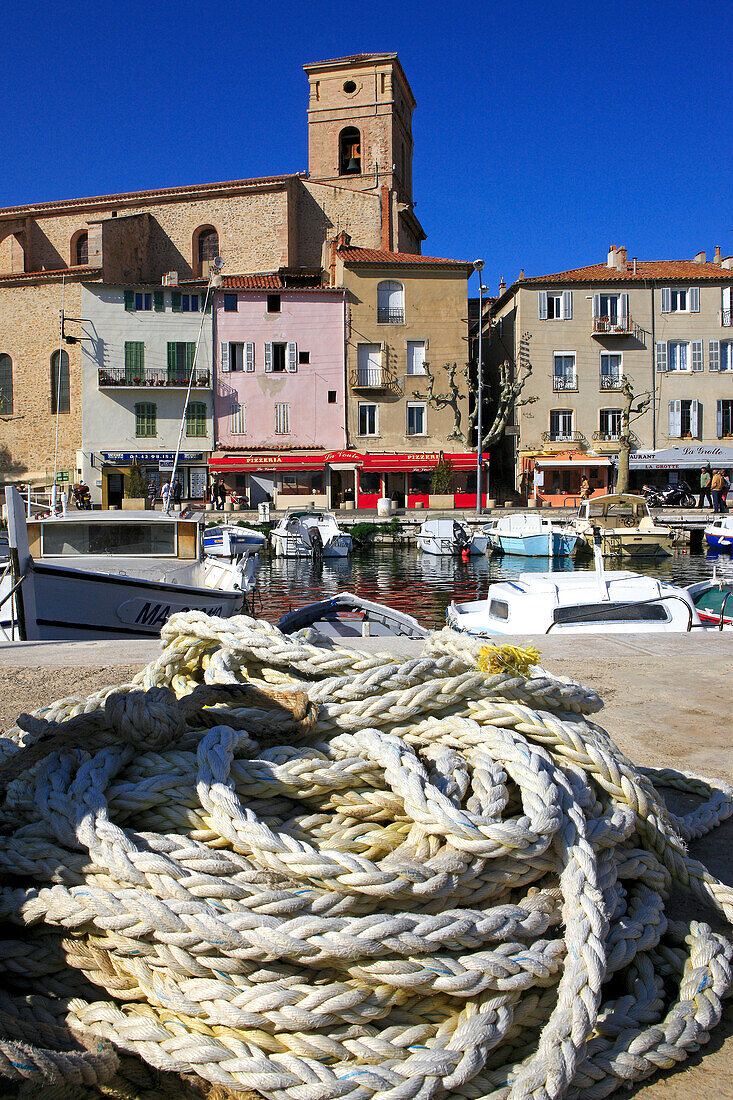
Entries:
{"x":135,"y":498}
{"x":441,"y":485}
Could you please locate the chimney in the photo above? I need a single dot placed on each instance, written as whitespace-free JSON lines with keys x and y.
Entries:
{"x":621,"y":259}
{"x":502,"y":285}
{"x":611,"y":261}
{"x":521,"y":274}
{"x":717,"y":258}
{"x":727,"y":263}
{"x":700,"y":258}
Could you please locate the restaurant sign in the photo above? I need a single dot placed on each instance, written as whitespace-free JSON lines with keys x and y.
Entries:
{"x":682,"y":458}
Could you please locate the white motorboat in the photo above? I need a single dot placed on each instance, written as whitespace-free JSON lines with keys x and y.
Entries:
{"x":713,"y":599}
{"x":308,"y":532}
{"x":584,"y":602}
{"x":719,"y":533}
{"x":348,"y":616}
{"x":446,"y":535}
{"x":625,"y":526}
{"x":530,"y":534}
{"x":108,"y":574}
{"x":229,"y":540}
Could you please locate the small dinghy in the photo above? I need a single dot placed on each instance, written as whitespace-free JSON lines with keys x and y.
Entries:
{"x":719,"y":533}
{"x":305,"y":533}
{"x":530,"y":535}
{"x":445,"y":536}
{"x":228,"y":540}
{"x":713,"y":599}
{"x":349,"y":616}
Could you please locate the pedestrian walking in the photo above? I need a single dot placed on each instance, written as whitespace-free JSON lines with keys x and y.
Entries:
{"x":716,"y":488}
{"x":584,"y":489}
{"x":706,"y":476}
{"x":177,"y":493}
{"x":222,"y":496}
{"x":152,"y":492}
{"x":165,"y":491}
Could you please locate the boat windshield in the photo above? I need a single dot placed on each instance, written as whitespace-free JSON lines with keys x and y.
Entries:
{"x":617,"y":515}
{"x":125,"y":539}
{"x":611,"y":612}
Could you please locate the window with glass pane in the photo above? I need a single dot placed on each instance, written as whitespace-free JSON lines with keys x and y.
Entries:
{"x":726,"y":355}
{"x":610,"y":423}
{"x":367,"y":419}
{"x":725,"y":418}
{"x":561,"y":424}
{"x":610,"y":372}
{"x":554,"y":307}
{"x":60,"y":384}
{"x":134,"y":362}
{"x":82,"y":249}
{"x":678,"y":301}
{"x":143,"y":301}
{"x":415,"y":419}
{"x":564,"y":371}
{"x":416,"y":357}
{"x":6,"y":384}
{"x":196,"y":418}
{"x":678,"y":356}
{"x":208,"y":244}
{"x":609,"y":306}
{"x":146,"y":420}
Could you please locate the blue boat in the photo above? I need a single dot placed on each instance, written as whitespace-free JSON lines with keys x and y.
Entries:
{"x":530,"y":535}
{"x":229,"y":540}
{"x":719,"y":533}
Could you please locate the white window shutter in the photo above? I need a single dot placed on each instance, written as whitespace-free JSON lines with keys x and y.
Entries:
{"x":719,"y":418}
{"x":249,"y":356}
{"x":697,"y":354}
{"x":237,"y":418}
{"x":542,"y":305}
{"x":292,"y":357}
{"x":224,"y":357}
{"x":661,"y":356}
{"x":567,"y":305}
{"x":623,"y":306}
{"x":675,"y":418}
{"x":268,"y":358}
{"x":713,"y":354}
{"x":694,"y":299}
{"x":694,"y":418}
{"x":726,"y":319}
{"x":666,"y":299}
{"x":596,"y":305}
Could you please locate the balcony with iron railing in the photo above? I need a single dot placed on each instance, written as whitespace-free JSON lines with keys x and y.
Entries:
{"x":150,"y":377}
{"x":611,"y":381}
{"x":726,"y":318}
{"x":608,"y":442}
{"x":613,"y":326}
{"x":390,"y":315}
{"x":567,"y":440}
{"x":374,"y":378}
{"x":564,"y":382}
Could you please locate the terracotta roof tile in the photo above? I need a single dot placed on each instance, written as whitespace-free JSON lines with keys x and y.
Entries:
{"x":353,"y":255}
{"x":272,"y":282}
{"x":33,"y":276}
{"x":645,"y":270}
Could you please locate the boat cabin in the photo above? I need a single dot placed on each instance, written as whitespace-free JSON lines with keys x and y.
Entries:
{"x":614,"y":511}
{"x":110,"y":533}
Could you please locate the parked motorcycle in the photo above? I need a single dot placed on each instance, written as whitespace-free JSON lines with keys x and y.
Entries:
{"x":82,"y":496}
{"x":674,"y":496}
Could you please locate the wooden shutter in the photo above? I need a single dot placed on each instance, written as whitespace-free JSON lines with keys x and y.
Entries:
{"x":661,"y":356}
{"x":176,"y":301}
{"x":249,"y":356}
{"x":292,"y":363}
{"x":675,"y":418}
{"x":268,"y":358}
{"x":172,"y":359}
{"x":623,"y":307}
{"x":130,"y":301}
{"x":567,"y":305}
{"x":695,"y":418}
{"x":225,"y":367}
{"x":542,"y":305}
{"x":596,"y":305}
{"x":190,"y":356}
{"x":697,"y":355}
{"x":726,"y":318}
{"x":713,"y":354}
{"x":694,"y":299}
{"x":666,"y":299}
{"x":719,"y":418}
{"x":237,"y":425}
{"x":159,"y":301}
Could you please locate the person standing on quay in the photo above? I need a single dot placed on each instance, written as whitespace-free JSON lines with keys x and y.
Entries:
{"x":584,"y":488}
{"x":165,"y":493}
{"x":177,"y":493}
{"x":716,"y":487}
{"x":705,"y":493}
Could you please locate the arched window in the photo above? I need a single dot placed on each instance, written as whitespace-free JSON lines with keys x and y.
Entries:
{"x":206,"y":246}
{"x":6,"y":384}
{"x":80,"y":249}
{"x":350,"y":152}
{"x":60,"y":386}
{"x":390,"y":302}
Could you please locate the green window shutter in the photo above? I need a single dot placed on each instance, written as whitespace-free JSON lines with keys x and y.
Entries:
{"x":190,"y":356}
{"x":146,"y":420}
{"x":159,"y":301}
{"x":130,"y":301}
{"x":172,"y":360}
{"x":6,"y":384}
{"x":196,"y":419}
{"x":176,"y":301}
{"x":134,"y":360}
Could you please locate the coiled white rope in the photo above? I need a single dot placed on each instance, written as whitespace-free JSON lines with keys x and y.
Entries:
{"x":318,"y":874}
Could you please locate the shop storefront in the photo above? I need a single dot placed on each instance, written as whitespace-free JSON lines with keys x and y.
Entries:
{"x":672,"y":465}
{"x":407,"y":479}
{"x":157,"y":467}
{"x":555,"y":480}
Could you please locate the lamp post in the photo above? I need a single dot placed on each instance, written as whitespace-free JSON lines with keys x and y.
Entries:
{"x":214,"y":281}
{"x":479,"y":266}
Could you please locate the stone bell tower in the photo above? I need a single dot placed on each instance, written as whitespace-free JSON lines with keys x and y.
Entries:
{"x":360,"y":125}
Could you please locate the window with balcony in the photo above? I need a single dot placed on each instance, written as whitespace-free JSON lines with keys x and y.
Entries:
{"x":416,"y":418}
{"x":390,"y":302}
{"x":724,"y":418}
{"x":561,"y":425}
{"x":680,"y":299}
{"x":282,"y":419}
{"x":180,"y":361}
{"x":368,"y":419}
{"x":611,"y":371}
{"x":416,"y":357}
{"x":196,"y":418}
{"x":6,"y":384}
{"x":610,"y":424}
{"x":684,"y":419}
{"x":146,"y":420}
{"x":369,"y":365}
{"x":555,"y":305}
{"x":134,"y":362}
{"x":236,"y":418}
{"x":60,"y":393}
{"x":563,"y":371}
{"x":611,"y":314}
{"x":726,"y":314}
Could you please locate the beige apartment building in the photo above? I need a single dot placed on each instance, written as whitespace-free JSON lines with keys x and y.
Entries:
{"x":406,"y":372}
{"x":665,"y":325}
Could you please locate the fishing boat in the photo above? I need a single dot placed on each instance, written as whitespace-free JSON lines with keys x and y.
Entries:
{"x":106,"y":574}
{"x":229,"y":540}
{"x":348,"y":616}
{"x":531,"y":535}
{"x":304,"y":533}
{"x":445,"y":536}
{"x":624,"y":525}
{"x":713,"y":599}
{"x":586,"y":602}
{"x":719,"y":533}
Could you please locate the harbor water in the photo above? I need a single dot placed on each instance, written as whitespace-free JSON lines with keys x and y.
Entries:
{"x":423,"y":585}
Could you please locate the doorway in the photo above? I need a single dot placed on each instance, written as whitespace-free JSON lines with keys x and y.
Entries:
{"x":115,"y":486}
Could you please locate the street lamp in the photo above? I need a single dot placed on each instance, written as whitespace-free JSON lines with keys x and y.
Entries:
{"x":214,"y":282}
{"x":479,"y":266}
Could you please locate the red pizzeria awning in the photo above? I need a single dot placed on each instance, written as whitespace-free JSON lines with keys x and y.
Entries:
{"x":397,"y":462}
{"x":287,"y":460}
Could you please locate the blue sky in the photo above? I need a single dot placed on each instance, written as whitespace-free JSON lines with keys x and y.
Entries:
{"x":543,"y":133}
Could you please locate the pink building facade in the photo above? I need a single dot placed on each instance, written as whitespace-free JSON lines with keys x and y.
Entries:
{"x":279,"y":386}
